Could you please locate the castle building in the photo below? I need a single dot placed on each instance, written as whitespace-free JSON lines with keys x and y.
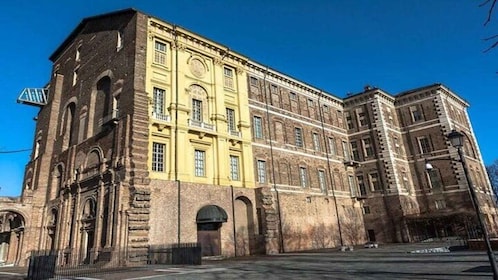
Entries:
{"x":149,"y":134}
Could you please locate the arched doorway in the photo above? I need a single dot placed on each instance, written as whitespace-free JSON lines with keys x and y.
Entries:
{"x":244,"y":226}
{"x":209,"y":221}
{"x":11,"y":237}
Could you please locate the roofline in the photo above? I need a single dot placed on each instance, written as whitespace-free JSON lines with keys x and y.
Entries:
{"x":81,"y":25}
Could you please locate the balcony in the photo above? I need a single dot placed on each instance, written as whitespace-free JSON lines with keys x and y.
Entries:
{"x":33,"y":96}
{"x":161,"y":117}
{"x":234,"y":133}
{"x":111,"y":118}
{"x":200,"y":124}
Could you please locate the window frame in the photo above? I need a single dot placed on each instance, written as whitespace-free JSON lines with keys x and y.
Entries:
{"x":303,"y":177}
{"x":261,"y":171}
{"x":234,"y":168}
{"x":258,"y":127}
{"x":197,"y":110}
{"x":228,"y":77}
{"x":199,"y":163}
{"x":298,"y":137}
{"x":158,"y":157}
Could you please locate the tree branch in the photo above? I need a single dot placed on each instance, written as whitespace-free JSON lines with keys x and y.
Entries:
{"x":490,"y":11}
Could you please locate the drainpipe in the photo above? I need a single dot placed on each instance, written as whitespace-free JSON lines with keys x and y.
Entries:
{"x":282,"y":249}
{"x":175,"y":34}
{"x":332,"y":185}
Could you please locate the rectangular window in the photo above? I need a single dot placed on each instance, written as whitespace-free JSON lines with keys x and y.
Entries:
{"x":366,"y":209}
{"x":424,"y":145}
{"x":345,"y":151}
{"x":292,"y":95}
{"x":354,"y":151}
{"x":78,"y":53}
{"x":261,"y":170}
{"x":231,"y":120}
{"x":119,"y":42}
{"x":325,"y":109}
{"x":352,"y":186}
{"x":361,"y":185}
{"x":158,"y":156}
{"x":321,"y":180}
{"x":367,"y":147}
{"x":332,"y":148}
{"x":273,"y":89}
{"x":303,"y":176}
{"x":316,"y":141}
{"x":228,"y":77}
{"x":310,"y":102}
{"x":197,"y":110}
{"x":349,"y":120}
{"x":75,"y":76}
{"x":404,"y":178}
{"x":434,"y":178}
{"x":158,"y":95}
{"x":416,"y":113}
{"x":258,"y":127}
{"x":298,"y":134}
{"x":234,"y":168}
{"x":440,"y":204}
{"x":253,"y":81}
{"x":374,"y":181}
{"x":200,"y":163}
{"x":159,"y":53}
{"x":362,"y":117}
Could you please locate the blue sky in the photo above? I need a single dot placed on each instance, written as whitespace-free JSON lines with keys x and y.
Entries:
{"x":338,"y":46}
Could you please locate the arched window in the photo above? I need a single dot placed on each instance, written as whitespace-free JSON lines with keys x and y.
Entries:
{"x":68,"y":124}
{"x":199,"y":103}
{"x":57,"y":182}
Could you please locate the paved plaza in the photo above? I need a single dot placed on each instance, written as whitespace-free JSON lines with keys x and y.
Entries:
{"x":386,"y":262}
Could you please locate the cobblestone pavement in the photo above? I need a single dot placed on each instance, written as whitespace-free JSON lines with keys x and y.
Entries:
{"x":386,"y":262}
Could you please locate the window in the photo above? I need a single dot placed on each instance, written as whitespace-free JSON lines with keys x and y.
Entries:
{"x":234,"y":168}
{"x":434,"y":178}
{"x":197,"y":110}
{"x":292,"y":95}
{"x":75,"y":76}
{"x":78,"y":54}
{"x":416,"y":113}
{"x":158,"y":95}
{"x":352,"y":186}
{"x":316,"y":141}
{"x":231,"y":120}
{"x":303,"y":176}
{"x":354,"y":151}
{"x":119,"y":43}
{"x":200,"y":163}
{"x":258,"y":127}
{"x":440,"y":204}
{"x":332,"y":148}
{"x":367,"y":147}
{"x":273,"y":89}
{"x":159,"y":52}
{"x":362,"y":117}
{"x":261,"y":171}
{"x":366,"y":210}
{"x":228,"y":77}
{"x":325,"y":109}
{"x":345,"y":151}
{"x":310,"y":102}
{"x":424,"y":145}
{"x":349,"y":120}
{"x":158,"y":156}
{"x":298,"y":133}
{"x":361,"y":185}
{"x":374,"y":181}
{"x":321,"y":180}
{"x":253,"y":81}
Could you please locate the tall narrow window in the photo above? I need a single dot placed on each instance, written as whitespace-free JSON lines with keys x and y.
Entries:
{"x":200,"y":163}
{"x":75,"y":75}
{"x":158,"y":108}
{"x":374,"y":181}
{"x":354,"y":150}
{"x":352,"y":186}
{"x":258,"y":127}
{"x":159,"y":52}
{"x":253,"y":81}
{"x":362,"y":117}
{"x":119,"y":43}
{"x":261,"y":170}
{"x":435,"y":178}
{"x":349,"y":120}
{"x":321,"y":180}
{"x":404,"y":178}
{"x":158,"y":156}
{"x":332,"y":148}
{"x":416,"y":113}
{"x":228,"y":77}
{"x":361,"y":185}
{"x":316,"y":141}
{"x":78,"y":53}
{"x":234,"y":168}
{"x":231,"y":120}
{"x":298,"y":134}
{"x":292,"y":95}
{"x":424,"y":145}
{"x":367,"y":147}
{"x":303,"y":176}
{"x":197,"y":110}
{"x":345,"y":150}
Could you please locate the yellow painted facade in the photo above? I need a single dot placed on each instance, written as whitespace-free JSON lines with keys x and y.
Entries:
{"x":211,"y":121}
